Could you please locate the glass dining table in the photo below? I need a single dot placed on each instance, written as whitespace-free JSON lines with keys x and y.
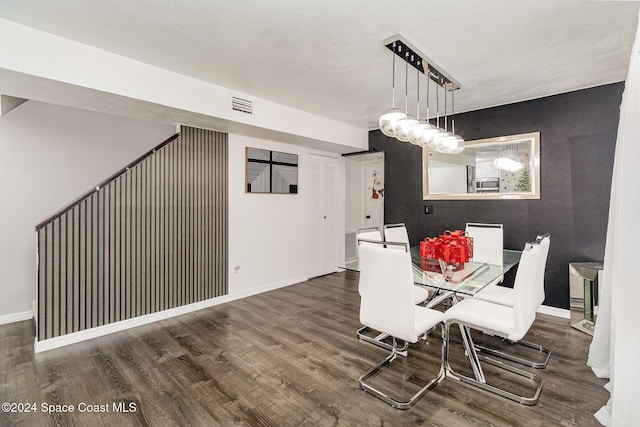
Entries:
{"x":466,"y":281}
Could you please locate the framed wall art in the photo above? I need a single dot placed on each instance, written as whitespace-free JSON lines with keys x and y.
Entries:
{"x":271,"y":172}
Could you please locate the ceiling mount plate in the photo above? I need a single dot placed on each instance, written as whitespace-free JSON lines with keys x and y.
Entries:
{"x":405,"y":50}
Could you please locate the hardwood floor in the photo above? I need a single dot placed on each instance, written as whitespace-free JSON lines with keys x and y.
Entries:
{"x":284,"y":358}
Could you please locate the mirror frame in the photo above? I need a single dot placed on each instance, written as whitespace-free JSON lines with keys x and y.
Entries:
{"x":534,"y":168}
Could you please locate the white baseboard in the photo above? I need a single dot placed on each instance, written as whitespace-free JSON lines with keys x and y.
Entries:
{"x":111,"y":328}
{"x":555,"y":311}
{"x":16,"y":317}
{"x":269,"y":287}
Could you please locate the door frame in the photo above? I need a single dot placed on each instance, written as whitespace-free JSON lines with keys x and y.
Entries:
{"x":350,"y":227}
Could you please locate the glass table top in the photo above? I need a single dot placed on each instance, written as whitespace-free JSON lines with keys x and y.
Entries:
{"x":469,"y":280}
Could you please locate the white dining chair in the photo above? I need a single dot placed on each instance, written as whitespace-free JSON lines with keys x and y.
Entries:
{"x":372,"y":237}
{"x":396,"y":233}
{"x":511,"y":323}
{"x":371,"y":233}
{"x":488,"y":242}
{"x":505,"y":296}
{"x":420,"y":293}
{"x":387,"y":304}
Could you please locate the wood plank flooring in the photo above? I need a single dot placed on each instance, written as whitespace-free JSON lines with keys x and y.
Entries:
{"x":283,"y":358}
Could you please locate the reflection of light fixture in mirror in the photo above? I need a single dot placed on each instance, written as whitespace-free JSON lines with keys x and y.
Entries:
{"x":508,"y":160}
{"x":389,"y":118}
{"x":507,"y":164}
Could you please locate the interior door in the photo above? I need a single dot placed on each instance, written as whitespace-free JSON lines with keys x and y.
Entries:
{"x":323,"y":203}
{"x":364,"y":196}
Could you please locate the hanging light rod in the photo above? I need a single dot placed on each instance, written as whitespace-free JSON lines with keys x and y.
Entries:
{"x":420,"y":62}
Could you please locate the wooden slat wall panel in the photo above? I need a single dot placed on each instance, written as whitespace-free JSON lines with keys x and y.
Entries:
{"x":153,"y":238}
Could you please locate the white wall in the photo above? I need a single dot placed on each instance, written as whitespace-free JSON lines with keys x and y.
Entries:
{"x":486,"y":169}
{"x":447,"y":179}
{"x":268,"y":232}
{"x":50,"y":155}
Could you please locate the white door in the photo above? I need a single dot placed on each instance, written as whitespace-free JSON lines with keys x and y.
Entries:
{"x":323,"y":201}
{"x":373,"y":179}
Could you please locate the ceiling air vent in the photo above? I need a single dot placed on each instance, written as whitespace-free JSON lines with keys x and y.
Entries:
{"x":242,"y":105}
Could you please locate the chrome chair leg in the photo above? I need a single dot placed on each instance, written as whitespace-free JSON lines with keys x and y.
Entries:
{"x":401,"y":404}
{"x":378,"y":341}
{"x":522,"y":361}
{"x":481,"y":382}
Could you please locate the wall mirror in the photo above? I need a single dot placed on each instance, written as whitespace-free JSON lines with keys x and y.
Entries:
{"x":506,"y":167}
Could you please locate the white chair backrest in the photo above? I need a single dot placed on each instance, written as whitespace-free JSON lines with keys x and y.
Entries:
{"x":369,"y":234}
{"x":525,"y":289}
{"x":386,"y":290}
{"x":396,"y":233}
{"x":488,"y":242}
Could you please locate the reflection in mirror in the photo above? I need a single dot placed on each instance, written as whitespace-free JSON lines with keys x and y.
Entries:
{"x":505,"y":167}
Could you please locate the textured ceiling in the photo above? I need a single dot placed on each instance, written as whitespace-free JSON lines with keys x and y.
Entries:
{"x":327,"y":57}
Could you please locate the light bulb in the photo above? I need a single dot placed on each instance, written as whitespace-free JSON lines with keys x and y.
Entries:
{"x":458,"y":145}
{"x":426,"y":139}
{"x":389,"y":119}
{"x":415,"y":133}
{"x":439,"y":141}
{"x":403,"y":127}
{"x":447,"y":143}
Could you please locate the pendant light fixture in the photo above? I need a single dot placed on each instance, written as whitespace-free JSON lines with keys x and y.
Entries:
{"x":457,"y":145}
{"x":418,"y":130}
{"x":449,"y":142}
{"x":389,"y":118}
{"x":403,"y":126}
{"x":425,"y":139}
{"x":436,"y":137}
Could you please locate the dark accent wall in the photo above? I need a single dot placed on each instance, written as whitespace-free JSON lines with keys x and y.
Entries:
{"x":577,"y":143}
